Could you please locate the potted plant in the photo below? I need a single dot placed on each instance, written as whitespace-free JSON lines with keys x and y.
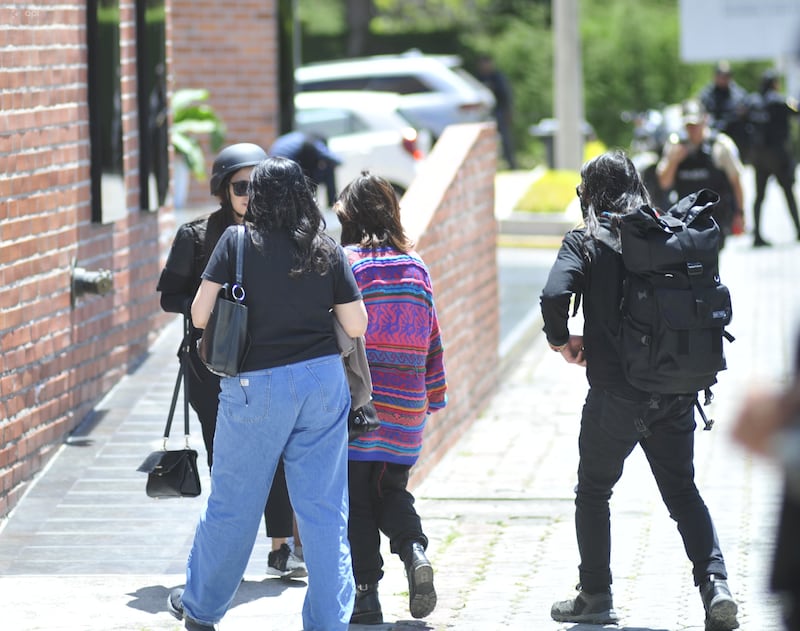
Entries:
{"x":192,"y":119}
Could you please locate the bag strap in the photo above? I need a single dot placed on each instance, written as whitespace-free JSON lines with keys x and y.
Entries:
{"x":183,"y":378}
{"x":237,"y":291}
{"x":187,"y":345}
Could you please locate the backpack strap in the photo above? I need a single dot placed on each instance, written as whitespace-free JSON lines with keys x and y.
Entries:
{"x":709,"y":397}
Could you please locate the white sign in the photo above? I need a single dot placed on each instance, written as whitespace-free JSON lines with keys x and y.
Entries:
{"x":741,"y":30}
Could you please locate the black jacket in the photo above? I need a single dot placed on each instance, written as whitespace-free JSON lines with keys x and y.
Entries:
{"x":593,"y":270}
{"x":191,"y":249}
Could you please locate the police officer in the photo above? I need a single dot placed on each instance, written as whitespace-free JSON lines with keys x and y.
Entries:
{"x":180,"y":278}
{"x":704,"y":158}
{"x":770,"y":112}
{"x":725,"y":101}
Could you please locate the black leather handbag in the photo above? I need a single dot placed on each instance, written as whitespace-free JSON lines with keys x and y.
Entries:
{"x":362,"y":421}
{"x":173,"y":473}
{"x":223,"y":345}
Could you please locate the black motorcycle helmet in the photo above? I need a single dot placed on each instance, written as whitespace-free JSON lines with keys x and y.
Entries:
{"x":233,"y":158}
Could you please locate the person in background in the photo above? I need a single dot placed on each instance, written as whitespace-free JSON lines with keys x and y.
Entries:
{"x":497,"y":82}
{"x":406,"y":359}
{"x":617,"y":417}
{"x":768,"y":424}
{"x":725,"y":101}
{"x":178,"y":284}
{"x":290,"y":400}
{"x":770,"y":113}
{"x":311,"y":152}
{"x":704,"y":158}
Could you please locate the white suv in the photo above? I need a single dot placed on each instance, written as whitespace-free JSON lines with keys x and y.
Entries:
{"x":365,"y":130}
{"x":435,"y":91}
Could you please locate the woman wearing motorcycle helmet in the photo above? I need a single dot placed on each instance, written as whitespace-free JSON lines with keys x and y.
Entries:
{"x":180,"y":278}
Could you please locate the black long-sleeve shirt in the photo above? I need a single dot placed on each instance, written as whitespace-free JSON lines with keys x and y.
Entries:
{"x":593,"y":270}
{"x":187,"y":259}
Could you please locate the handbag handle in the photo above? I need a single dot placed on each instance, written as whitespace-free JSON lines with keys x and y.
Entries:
{"x":183,"y":377}
{"x":237,"y":291}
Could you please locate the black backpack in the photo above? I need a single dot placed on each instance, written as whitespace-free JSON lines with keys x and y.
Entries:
{"x":674,"y":308}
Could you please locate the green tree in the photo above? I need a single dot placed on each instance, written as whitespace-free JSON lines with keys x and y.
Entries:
{"x":630,"y":51}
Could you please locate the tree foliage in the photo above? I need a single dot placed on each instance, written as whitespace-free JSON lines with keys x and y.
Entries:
{"x":630,"y":53}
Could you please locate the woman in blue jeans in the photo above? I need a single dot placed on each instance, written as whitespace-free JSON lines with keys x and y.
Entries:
{"x":289,"y":400}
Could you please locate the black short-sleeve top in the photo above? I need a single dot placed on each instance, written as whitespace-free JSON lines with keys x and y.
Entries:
{"x":289,"y":318}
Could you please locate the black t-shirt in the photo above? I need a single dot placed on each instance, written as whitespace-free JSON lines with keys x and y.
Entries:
{"x":289,"y":319}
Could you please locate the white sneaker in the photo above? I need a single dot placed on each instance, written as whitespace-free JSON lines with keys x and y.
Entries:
{"x":284,"y":564}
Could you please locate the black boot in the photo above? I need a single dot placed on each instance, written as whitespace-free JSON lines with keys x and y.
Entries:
{"x":367,"y":609}
{"x":720,"y":606}
{"x":421,"y":594}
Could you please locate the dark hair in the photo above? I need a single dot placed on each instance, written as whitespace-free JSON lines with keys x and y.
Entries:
{"x":610,"y":185}
{"x":281,"y":199}
{"x":369,"y":212}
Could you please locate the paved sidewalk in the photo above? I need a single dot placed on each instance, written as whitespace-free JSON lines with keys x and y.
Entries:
{"x":86,"y":550}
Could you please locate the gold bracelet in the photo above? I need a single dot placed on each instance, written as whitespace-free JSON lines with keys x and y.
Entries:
{"x":558,"y":349}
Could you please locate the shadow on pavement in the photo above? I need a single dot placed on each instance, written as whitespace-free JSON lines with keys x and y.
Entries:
{"x":153,"y":598}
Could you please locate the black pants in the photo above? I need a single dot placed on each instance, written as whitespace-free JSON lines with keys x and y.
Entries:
{"x":778,"y":163}
{"x":664,"y":427}
{"x":204,"y":399}
{"x":379,"y":502}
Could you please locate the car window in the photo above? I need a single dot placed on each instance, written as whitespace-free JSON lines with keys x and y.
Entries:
{"x":324,"y":85}
{"x":328,"y":122}
{"x":400,"y":84}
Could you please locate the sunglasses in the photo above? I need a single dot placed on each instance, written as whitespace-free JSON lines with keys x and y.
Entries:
{"x":240,"y":188}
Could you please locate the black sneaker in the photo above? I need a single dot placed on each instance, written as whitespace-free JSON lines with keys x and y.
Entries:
{"x":285,"y":564}
{"x":419,"y":571}
{"x":589,"y":608}
{"x":720,"y":606}
{"x":367,"y":608}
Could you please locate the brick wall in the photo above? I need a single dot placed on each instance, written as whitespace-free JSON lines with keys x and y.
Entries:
{"x":449,"y":212}
{"x":57,"y":361}
{"x":232,"y":52}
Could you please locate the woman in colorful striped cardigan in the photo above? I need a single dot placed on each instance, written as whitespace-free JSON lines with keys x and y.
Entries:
{"x":404,"y":349}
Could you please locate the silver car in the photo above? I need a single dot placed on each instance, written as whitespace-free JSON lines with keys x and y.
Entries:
{"x":435,"y":90}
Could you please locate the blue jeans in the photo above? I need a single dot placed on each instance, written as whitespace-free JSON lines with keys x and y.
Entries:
{"x":299,"y":412}
{"x":664,"y":427}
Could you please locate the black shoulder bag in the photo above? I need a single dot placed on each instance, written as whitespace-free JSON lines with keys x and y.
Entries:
{"x":223,"y":345}
{"x":174,"y":473}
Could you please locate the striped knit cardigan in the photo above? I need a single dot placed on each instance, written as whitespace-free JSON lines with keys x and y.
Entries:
{"x":404,"y":349}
